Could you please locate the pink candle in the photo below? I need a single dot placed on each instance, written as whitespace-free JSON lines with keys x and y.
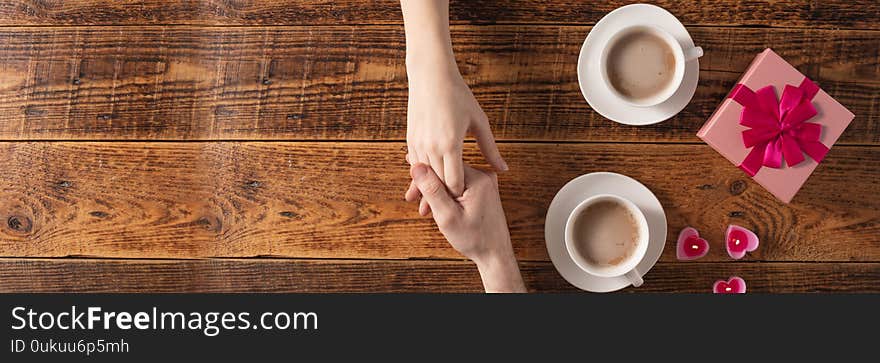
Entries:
{"x":734,"y":285}
{"x":690,"y":246}
{"x":739,"y":241}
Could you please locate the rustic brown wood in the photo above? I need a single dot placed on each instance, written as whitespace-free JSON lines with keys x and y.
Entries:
{"x":185,"y":83}
{"x":278,"y":276}
{"x":345,"y":200}
{"x":798,"y":13}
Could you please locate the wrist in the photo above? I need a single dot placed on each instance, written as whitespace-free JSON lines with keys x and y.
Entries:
{"x":428,"y":42}
{"x":500,"y":271}
{"x":427,"y":62}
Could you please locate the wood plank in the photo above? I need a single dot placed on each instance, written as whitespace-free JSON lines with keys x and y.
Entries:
{"x":174,"y":83}
{"x":792,"y":13}
{"x":314,"y":276}
{"x":345,"y":200}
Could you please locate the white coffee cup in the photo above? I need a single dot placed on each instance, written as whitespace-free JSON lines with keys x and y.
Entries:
{"x":681,"y":55}
{"x":627,"y":267}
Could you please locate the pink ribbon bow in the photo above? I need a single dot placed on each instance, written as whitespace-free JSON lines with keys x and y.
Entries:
{"x":778,"y":129}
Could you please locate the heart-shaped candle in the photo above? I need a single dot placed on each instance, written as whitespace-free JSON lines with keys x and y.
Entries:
{"x":739,"y":241}
{"x":690,"y":246}
{"x":733,"y":285}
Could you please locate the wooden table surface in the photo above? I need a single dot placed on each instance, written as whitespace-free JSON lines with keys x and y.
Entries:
{"x":212,"y":146}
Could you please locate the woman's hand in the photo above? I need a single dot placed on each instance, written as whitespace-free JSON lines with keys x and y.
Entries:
{"x":441,"y":112}
{"x":474,"y":224}
{"x":441,"y":109}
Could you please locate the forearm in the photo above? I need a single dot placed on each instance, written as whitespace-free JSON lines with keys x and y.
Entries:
{"x":500,"y":271}
{"x":428,"y":44}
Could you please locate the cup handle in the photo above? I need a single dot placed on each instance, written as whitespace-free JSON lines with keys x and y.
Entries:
{"x":635,"y":277}
{"x":693,"y":53}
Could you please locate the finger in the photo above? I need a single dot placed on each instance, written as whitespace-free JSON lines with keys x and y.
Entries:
{"x":437,"y":165}
{"x":486,"y":141}
{"x":453,"y":166}
{"x":416,"y":157}
{"x":412,"y":194}
{"x":411,"y":158}
{"x":424,"y":208}
{"x":434,"y":191}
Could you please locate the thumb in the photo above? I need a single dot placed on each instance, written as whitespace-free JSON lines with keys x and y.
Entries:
{"x":434,"y":191}
{"x":486,"y":141}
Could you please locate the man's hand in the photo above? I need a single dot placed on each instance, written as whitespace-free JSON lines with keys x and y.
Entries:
{"x":474,"y":224}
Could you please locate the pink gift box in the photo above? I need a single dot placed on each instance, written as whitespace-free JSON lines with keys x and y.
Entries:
{"x":799,"y":132}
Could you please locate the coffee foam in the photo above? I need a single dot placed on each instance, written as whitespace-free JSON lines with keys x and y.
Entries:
{"x":640,"y":65}
{"x":606,"y":234}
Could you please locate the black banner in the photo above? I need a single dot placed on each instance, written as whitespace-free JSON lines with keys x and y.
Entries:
{"x":234,"y":327}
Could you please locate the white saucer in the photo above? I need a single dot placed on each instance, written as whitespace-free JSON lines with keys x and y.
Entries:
{"x":583,"y":187}
{"x":597,"y":93}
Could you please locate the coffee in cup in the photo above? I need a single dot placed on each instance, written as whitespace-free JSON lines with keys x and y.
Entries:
{"x":606,"y":233}
{"x":644,"y":65}
{"x":607,"y":236}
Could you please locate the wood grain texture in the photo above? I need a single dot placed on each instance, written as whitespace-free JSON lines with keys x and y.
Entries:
{"x":792,"y":13}
{"x":345,"y":200}
{"x":349,"y":83}
{"x":313,"y":276}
